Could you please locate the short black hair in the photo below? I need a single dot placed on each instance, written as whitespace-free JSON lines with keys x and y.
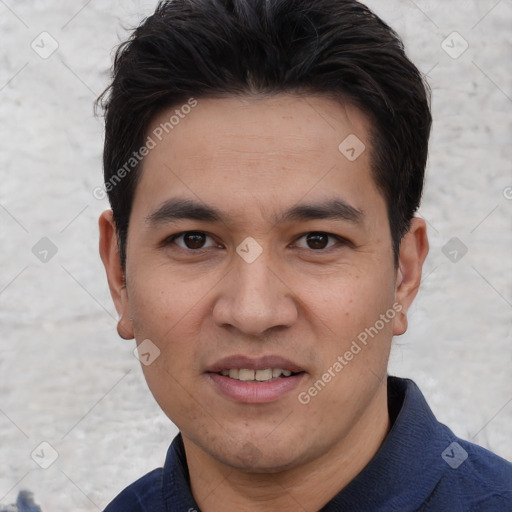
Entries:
{"x":207,"y":48}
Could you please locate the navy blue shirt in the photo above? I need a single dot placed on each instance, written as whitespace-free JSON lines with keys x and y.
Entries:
{"x":420,"y":466}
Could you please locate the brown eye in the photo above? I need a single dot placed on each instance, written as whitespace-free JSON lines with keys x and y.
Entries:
{"x":194,"y":239}
{"x":317,"y":240}
{"x":320,"y":241}
{"x":191,"y":240}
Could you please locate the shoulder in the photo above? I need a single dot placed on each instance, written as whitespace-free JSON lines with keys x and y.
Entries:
{"x":486,"y":466}
{"x":474,"y":478}
{"x":488,"y":471}
{"x":460,"y":476}
{"x":144,"y":495}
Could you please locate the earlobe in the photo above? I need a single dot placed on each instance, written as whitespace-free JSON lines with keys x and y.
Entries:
{"x":109,"y":253}
{"x":413,"y":251}
{"x":125,"y":330}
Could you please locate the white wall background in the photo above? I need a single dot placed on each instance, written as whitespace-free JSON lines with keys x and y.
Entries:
{"x":65,"y":376}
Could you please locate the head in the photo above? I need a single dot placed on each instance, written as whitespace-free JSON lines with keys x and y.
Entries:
{"x":288,"y":141}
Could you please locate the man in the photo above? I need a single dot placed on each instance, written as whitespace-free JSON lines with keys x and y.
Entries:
{"x":264,"y":161}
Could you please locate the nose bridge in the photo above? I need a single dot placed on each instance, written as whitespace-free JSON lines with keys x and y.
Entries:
{"x":253,"y":284}
{"x":254,"y":299}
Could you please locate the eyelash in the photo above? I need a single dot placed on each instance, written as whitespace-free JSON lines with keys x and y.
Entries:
{"x":341,"y":241}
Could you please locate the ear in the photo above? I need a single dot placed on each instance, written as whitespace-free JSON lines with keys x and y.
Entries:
{"x":413,"y":251}
{"x":109,"y":253}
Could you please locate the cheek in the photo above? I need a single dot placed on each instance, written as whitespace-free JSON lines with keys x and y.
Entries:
{"x":350,"y":301}
{"x":171,"y":391}
{"x":170,"y":317}
{"x":162,"y":302}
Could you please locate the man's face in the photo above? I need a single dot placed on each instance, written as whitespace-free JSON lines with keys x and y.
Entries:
{"x":297,"y":266}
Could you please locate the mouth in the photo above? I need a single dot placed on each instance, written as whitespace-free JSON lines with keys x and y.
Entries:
{"x":263,"y":375}
{"x":259,"y":380}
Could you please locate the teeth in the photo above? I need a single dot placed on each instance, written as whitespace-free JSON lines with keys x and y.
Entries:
{"x":255,"y":375}
{"x":263,"y":374}
{"x":246,"y":374}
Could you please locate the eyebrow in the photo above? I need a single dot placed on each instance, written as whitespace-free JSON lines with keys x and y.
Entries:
{"x":333,"y":209}
{"x":177,"y":209}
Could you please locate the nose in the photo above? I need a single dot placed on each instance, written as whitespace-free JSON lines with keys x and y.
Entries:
{"x":254,"y":299}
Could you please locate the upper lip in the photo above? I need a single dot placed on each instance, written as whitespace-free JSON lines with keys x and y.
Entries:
{"x":254,"y":363}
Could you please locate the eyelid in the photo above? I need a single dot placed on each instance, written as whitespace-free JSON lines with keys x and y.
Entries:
{"x":172,"y":239}
{"x":341,"y":241}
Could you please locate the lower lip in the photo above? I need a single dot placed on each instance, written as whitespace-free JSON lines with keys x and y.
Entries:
{"x":255,"y":392}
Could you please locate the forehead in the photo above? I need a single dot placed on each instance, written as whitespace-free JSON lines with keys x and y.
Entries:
{"x":320,"y":122}
{"x":263,"y":149}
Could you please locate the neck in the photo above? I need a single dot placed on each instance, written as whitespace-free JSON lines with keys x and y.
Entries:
{"x":218,"y":487}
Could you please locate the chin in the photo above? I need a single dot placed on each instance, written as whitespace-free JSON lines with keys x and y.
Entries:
{"x":261,"y":456}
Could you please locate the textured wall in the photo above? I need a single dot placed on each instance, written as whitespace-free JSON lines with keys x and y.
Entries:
{"x":67,"y":379}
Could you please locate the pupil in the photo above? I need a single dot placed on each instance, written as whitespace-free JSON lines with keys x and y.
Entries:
{"x":317,"y":240}
{"x":194,"y":240}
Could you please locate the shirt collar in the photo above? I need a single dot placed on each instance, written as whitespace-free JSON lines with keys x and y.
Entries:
{"x":408,"y":465}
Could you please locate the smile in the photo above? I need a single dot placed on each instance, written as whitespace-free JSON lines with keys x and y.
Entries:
{"x":248,"y":375}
